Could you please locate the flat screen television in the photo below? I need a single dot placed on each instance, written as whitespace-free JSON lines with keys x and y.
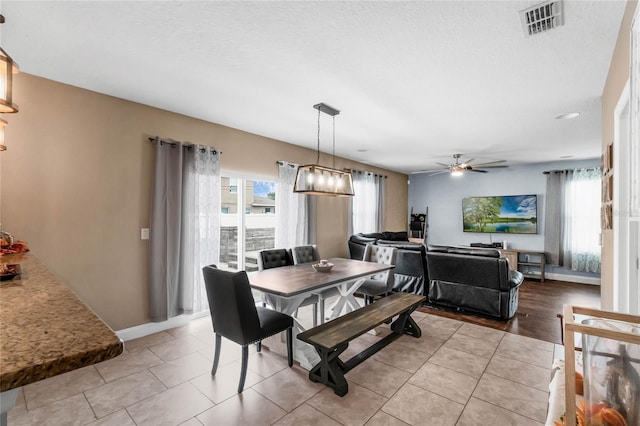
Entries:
{"x":511,"y":214}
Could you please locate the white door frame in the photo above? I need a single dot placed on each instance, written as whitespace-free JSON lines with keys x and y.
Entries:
{"x":625,"y":295}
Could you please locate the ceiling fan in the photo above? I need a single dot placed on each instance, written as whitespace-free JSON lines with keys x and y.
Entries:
{"x":460,"y":167}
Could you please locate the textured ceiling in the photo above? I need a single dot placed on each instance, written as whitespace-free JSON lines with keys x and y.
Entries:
{"x":415,"y":81}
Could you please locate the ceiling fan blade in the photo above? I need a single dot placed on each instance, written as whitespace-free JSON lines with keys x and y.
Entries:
{"x":491,"y":167}
{"x":438,"y":172}
{"x":468,"y":161}
{"x":478,"y":170}
{"x":490,"y":162}
{"x":442,"y":164}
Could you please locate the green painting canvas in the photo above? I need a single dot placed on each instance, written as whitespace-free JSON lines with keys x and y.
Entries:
{"x":511,"y":214}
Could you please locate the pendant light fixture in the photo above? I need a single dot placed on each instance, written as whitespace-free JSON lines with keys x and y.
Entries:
{"x":7,"y":68}
{"x":314,"y":179}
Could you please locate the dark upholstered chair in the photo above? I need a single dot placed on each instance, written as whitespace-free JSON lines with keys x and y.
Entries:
{"x":275,"y":258}
{"x":236,"y":317}
{"x":471,"y":279}
{"x":358,"y":242}
{"x":379,"y":284}
{"x":410,"y":274}
{"x":305,"y":254}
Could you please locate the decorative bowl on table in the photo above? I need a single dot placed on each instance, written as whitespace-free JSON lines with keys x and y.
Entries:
{"x":322,"y":267}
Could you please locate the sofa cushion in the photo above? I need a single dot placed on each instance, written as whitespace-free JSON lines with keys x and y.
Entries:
{"x":400,"y":245}
{"x":394,"y":236}
{"x":374,"y":235}
{"x":474,"y":252}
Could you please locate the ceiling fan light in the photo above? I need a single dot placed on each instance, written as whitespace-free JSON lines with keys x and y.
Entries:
{"x":457,"y":173}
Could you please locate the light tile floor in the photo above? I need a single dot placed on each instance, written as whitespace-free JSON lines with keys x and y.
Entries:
{"x":455,"y":374}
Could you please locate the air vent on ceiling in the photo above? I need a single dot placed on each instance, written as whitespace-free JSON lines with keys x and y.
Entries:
{"x":541,"y":17}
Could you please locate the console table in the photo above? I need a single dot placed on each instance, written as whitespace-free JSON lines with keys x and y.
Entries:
{"x":530,"y":263}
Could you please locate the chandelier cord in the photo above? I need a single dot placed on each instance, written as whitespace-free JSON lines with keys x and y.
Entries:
{"x":318,"y":157}
{"x":334,"y":141}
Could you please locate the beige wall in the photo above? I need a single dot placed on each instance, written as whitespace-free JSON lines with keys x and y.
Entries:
{"x":616,"y":80}
{"x":76,"y":182}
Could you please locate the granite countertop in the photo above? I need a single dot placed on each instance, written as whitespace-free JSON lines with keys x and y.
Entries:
{"x":45,"y":329}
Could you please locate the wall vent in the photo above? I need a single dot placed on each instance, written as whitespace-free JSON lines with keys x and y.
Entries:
{"x":542,"y":17}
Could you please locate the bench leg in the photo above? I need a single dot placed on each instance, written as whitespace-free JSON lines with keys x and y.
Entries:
{"x":406,"y":325}
{"x":330,"y":370}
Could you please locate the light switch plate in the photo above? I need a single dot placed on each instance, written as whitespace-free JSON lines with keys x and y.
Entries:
{"x":144,"y":233}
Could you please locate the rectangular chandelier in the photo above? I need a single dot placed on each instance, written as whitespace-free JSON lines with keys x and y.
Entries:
{"x":314,"y":179}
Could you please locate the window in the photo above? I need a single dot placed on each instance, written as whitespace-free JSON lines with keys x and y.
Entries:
{"x":367,"y":205}
{"x":581,"y":217}
{"x":245,"y":229}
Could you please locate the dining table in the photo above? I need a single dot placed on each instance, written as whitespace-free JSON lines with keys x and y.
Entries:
{"x":285,"y":288}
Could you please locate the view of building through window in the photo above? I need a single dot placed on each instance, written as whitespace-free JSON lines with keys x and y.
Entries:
{"x":247,"y":222}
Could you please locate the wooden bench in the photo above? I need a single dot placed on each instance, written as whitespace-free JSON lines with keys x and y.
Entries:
{"x":332,"y":338}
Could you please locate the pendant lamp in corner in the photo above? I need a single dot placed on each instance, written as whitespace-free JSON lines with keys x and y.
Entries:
{"x":314,"y":179}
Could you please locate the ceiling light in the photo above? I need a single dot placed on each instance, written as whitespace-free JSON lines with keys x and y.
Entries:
{"x":314,"y":179}
{"x":568,"y":116}
{"x":7,"y":68}
{"x":457,"y":172}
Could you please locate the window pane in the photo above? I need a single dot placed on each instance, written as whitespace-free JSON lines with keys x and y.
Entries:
{"x":258,"y":216}
{"x":260,"y":222}
{"x":228,"y":226}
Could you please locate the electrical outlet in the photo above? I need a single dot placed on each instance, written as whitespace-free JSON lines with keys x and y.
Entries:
{"x":144,"y":233}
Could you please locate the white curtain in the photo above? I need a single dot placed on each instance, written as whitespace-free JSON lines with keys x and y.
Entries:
{"x":635,"y":117}
{"x":367,"y":205}
{"x":581,"y":237}
{"x":201,"y":222}
{"x":292,"y":214}
{"x":184,"y":234}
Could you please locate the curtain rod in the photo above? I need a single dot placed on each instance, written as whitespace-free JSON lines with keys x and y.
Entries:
{"x":365,"y":171}
{"x":286,"y":163}
{"x":186,"y":145}
{"x":547,"y":172}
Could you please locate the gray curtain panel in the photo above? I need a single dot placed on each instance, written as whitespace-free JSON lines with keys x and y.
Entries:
{"x":185,"y":227}
{"x":165,"y":231}
{"x":380,"y":182}
{"x":554,"y":230}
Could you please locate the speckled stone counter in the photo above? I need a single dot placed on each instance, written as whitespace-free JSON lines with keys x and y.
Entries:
{"x":45,"y":329}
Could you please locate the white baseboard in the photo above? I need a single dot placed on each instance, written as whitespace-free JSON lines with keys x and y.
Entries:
{"x":156,"y":327}
{"x":573,"y":278}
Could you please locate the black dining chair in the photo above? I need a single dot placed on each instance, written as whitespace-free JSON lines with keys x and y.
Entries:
{"x":235,"y":316}
{"x":275,"y":258}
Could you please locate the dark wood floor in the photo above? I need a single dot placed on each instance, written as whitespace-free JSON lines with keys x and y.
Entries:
{"x":538,"y":305}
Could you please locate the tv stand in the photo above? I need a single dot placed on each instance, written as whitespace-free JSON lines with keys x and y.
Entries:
{"x":530,"y":263}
